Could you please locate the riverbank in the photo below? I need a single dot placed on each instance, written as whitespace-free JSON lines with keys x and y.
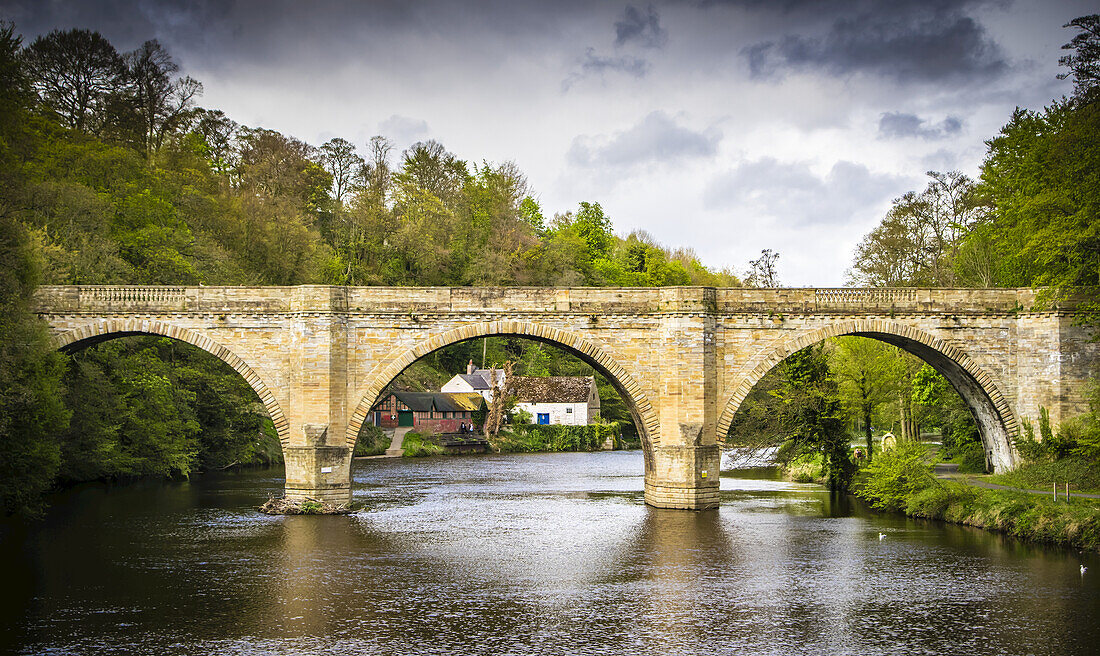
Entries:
{"x":902,"y":481}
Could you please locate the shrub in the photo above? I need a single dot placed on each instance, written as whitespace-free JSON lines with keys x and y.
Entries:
{"x":971,"y":458}
{"x":372,"y":441}
{"x":527,"y":438}
{"x":894,"y":475}
{"x":418,"y":446}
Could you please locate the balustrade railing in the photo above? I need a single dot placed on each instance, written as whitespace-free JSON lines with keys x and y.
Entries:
{"x":131,"y":295}
{"x":854,"y":296}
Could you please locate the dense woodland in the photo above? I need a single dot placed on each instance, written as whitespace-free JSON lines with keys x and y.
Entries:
{"x":112,"y":173}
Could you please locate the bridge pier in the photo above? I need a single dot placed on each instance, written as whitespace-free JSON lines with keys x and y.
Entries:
{"x":684,"y":477}
{"x":318,"y":473}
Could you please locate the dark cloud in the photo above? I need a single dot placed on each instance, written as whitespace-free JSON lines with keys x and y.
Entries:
{"x":898,"y":125}
{"x":599,"y":65}
{"x":641,"y":28}
{"x":907,"y":41}
{"x":791,"y":194}
{"x":656,"y":139}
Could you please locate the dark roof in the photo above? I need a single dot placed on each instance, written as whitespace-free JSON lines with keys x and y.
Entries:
{"x":439,"y":401}
{"x":551,"y":389}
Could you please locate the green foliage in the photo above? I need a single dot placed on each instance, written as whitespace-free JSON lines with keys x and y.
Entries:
{"x":810,"y":415}
{"x":1042,"y":179}
{"x":30,"y":381}
{"x":419,"y":446}
{"x":970,"y":457}
{"x":532,"y":438}
{"x":895,"y":475}
{"x":941,"y":405}
{"x":1080,"y":472}
{"x":372,"y":441}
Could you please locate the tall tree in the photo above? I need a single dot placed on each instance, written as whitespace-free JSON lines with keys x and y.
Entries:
{"x":867,"y":373}
{"x":74,"y":72}
{"x":339,"y":158}
{"x":159,"y":100}
{"x":810,"y":414}
{"x":1042,"y":178}
{"x":1084,"y":61}
{"x":917,"y":242}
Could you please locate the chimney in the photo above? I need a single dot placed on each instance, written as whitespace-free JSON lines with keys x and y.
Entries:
{"x":470,"y":367}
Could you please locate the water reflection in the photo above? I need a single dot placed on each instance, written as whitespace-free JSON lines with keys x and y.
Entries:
{"x":527,"y":554}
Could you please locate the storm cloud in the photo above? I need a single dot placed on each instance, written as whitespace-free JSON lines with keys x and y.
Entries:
{"x":895,"y":125}
{"x":641,"y":28}
{"x":905,"y":41}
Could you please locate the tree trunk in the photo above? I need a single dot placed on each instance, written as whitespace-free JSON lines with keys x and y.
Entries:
{"x":868,"y":432}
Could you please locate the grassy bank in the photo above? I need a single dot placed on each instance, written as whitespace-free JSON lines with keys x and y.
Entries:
{"x":901,"y":480}
{"x":419,"y":446}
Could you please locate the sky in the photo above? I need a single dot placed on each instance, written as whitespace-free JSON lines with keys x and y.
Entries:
{"x":726,"y":126}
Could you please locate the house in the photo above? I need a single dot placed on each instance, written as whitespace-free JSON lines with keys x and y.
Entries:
{"x":435,"y":412}
{"x":474,"y":381}
{"x":566,"y":400}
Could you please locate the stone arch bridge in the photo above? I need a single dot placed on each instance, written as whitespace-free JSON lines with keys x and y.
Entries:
{"x":683,"y":358}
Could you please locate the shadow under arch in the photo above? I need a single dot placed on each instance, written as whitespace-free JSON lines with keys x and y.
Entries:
{"x":90,"y":335}
{"x":997,"y":424}
{"x":645,"y":418}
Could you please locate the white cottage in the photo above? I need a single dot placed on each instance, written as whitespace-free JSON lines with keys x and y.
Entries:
{"x":474,"y":380}
{"x":567,"y":400}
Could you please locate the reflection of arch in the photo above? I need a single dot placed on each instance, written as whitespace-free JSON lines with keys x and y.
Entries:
{"x":102,"y":331}
{"x":644,"y":415}
{"x":996,"y":422}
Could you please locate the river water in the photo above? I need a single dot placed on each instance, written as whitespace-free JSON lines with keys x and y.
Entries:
{"x":526,"y":554}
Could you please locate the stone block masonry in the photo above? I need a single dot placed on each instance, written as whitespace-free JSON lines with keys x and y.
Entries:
{"x":683,"y":358}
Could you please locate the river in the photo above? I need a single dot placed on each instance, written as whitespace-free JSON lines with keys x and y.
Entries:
{"x":526,"y":554}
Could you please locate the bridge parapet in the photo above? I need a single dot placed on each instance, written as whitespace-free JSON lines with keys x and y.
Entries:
{"x":575,"y":300}
{"x":898,"y":300}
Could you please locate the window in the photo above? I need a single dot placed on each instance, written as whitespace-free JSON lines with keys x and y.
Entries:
{"x":544,"y":418}
{"x":569,"y":411}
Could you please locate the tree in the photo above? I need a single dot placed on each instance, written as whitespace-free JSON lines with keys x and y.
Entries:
{"x":810,"y":415}
{"x":917,"y":242}
{"x":594,"y":227}
{"x":159,"y":102}
{"x":867,"y":375}
{"x":74,"y":72}
{"x":762,"y":271}
{"x":31,"y":409}
{"x":1042,"y":179}
{"x":339,"y":158}
{"x":219,"y":133}
{"x":377,"y":176}
{"x":1084,"y":62}
{"x":428,"y":166}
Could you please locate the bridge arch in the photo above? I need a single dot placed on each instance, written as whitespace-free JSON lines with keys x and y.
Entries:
{"x":997,"y":424}
{"x":645,"y":417}
{"x":103,"y":331}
